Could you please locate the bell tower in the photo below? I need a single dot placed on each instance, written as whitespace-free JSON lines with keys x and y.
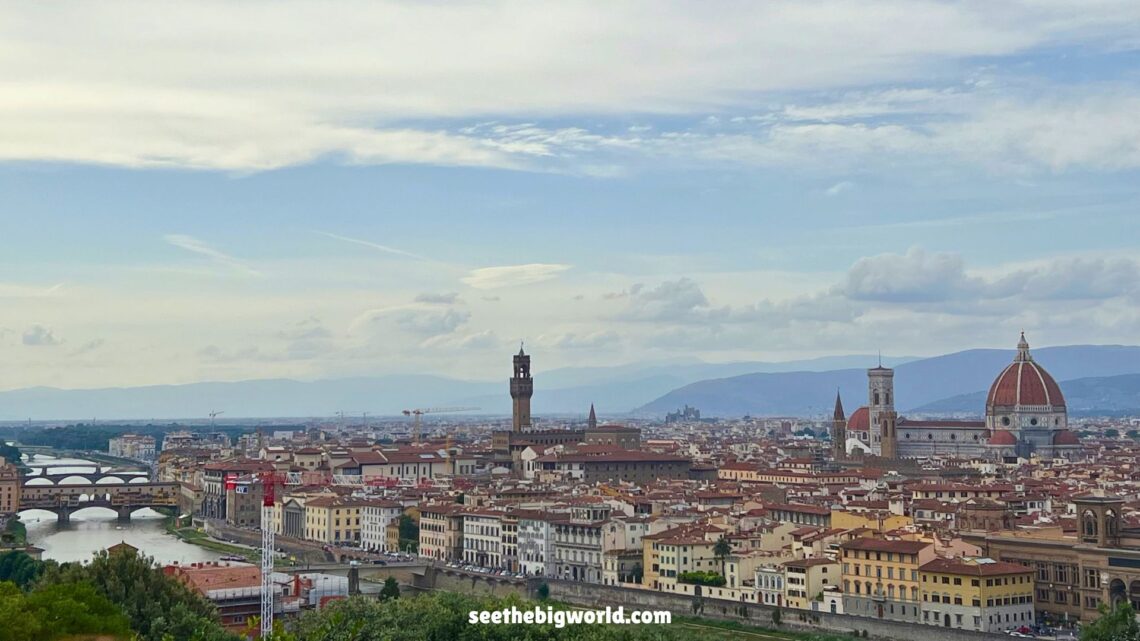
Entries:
{"x":522,"y":387}
{"x":838,"y":431}
{"x":881,"y":407}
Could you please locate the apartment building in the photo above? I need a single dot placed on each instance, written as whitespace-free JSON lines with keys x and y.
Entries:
{"x":483,"y":538}
{"x":535,"y":544}
{"x":806,"y":579}
{"x":375,"y":516}
{"x":441,"y":531}
{"x":976,"y":594}
{"x":881,"y":578}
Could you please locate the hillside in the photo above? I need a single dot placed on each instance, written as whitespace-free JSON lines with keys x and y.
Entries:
{"x":1093,"y":395}
{"x":615,"y":389}
{"x":917,"y":383}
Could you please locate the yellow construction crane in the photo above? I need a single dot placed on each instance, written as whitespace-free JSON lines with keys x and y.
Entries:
{"x":417,"y":413}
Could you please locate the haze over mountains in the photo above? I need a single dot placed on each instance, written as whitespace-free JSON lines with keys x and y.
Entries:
{"x":952,"y":384}
{"x":616,"y":389}
{"x":1093,"y":378}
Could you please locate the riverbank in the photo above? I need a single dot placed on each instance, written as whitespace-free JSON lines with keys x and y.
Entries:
{"x":194,"y":536}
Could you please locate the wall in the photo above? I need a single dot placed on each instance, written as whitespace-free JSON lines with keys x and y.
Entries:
{"x":589,"y":595}
{"x":448,"y":580}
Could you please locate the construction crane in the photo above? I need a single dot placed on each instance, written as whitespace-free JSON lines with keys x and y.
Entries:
{"x":213,"y":415}
{"x":268,"y":550}
{"x":417,"y":413}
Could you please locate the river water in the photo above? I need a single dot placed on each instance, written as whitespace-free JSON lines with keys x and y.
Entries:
{"x":95,"y":529}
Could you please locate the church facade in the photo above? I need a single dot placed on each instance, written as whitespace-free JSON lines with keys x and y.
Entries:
{"x":1025,"y":415}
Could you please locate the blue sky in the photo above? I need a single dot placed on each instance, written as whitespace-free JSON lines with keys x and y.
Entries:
{"x":220,"y":192}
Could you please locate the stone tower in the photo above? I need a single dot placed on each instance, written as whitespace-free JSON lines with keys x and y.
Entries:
{"x":881,"y":409}
{"x":522,"y":387}
{"x":592,"y":421}
{"x":1098,"y":517}
{"x":838,"y":431}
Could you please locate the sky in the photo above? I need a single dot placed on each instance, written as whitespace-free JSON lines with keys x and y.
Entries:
{"x":225,"y":191}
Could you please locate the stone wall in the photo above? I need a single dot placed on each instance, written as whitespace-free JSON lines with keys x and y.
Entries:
{"x":304,"y":550}
{"x":600,"y":596}
{"x":450,"y":580}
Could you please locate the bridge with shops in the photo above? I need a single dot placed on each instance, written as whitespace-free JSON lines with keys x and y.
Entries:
{"x":124,"y":498}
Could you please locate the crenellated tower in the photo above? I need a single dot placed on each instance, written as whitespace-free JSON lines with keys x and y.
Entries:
{"x":522,"y":387}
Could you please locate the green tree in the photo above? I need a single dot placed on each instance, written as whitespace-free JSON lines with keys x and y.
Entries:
{"x":1111,"y":433}
{"x":777,"y":616}
{"x":158,"y":606}
{"x":543,"y":591}
{"x":1118,"y":624}
{"x":391,"y":589}
{"x":19,"y":568}
{"x":1133,"y":434}
{"x":722,"y":549}
{"x":409,"y":534}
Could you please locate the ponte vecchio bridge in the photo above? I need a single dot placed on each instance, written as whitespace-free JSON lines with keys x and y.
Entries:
{"x":64,"y":499}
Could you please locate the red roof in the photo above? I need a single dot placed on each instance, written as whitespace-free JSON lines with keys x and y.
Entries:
{"x":1066,"y":437}
{"x":1024,"y":382}
{"x":860,"y":420}
{"x":1003,"y":437}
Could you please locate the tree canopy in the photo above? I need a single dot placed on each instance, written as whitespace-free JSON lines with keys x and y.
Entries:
{"x":1117,"y":624}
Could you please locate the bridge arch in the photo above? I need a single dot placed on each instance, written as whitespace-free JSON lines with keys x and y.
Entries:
{"x":74,"y":479}
{"x":33,"y":481}
{"x":110,"y":480}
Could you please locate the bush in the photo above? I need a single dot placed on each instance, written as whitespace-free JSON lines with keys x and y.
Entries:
{"x":702,"y":578}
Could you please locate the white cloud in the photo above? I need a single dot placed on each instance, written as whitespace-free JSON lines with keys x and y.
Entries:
{"x":367,"y":243}
{"x":839,"y":188}
{"x":512,"y":275}
{"x":192,"y":244}
{"x":40,"y":336}
{"x":193,"y":85}
{"x":449,"y":298}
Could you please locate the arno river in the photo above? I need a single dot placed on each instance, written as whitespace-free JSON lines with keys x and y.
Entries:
{"x":94,"y":529}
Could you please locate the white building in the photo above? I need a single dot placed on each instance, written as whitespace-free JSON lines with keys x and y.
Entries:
{"x":536,"y":545}
{"x":770,"y":585}
{"x":132,"y":446}
{"x":375,"y":517}
{"x":482,"y":538}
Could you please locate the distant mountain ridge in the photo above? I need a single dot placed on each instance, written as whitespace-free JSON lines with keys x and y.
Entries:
{"x":918,"y":383}
{"x":615,"y":390}
{"x":1093,"y":395}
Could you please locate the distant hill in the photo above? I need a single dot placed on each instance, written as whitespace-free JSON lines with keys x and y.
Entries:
{"x":615,"y":390}
{"x":1093,"y":395}
{"x":917,"y":383}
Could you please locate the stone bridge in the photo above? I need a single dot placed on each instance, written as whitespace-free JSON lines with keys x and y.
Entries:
{"x":91,"y":477}
{"x":64,"y":500}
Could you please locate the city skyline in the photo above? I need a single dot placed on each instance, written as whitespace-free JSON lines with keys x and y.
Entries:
{"x":183,"y":207}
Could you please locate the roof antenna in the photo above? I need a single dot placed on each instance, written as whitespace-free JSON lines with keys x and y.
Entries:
{"x":880,"y":358}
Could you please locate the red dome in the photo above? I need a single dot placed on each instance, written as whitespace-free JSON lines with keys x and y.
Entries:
{"x":1024,"y":382}
{"x":1003,"y":437}
{"x":860,"y":420}
{"x":1066,"y":437}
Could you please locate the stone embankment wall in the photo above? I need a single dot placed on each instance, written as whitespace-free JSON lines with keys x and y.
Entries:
{"x":600,"y":596}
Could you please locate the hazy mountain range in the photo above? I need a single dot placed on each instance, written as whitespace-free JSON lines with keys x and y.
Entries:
{"x":1093,"y":377}
{"x":954,"y":383}
{"x":614,"y":390}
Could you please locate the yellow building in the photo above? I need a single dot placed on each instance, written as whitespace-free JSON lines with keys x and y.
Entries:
{"x":441,"y":531}
{"x":976,"y":594}
{"x":877,"y":521}
{"x":880,"y":578}
{"x":681,"y":549}
{"x":333,"y":520}
{"x":9,"y":488}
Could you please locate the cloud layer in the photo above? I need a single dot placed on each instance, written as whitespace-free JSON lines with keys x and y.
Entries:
{"x":396,"y":82}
